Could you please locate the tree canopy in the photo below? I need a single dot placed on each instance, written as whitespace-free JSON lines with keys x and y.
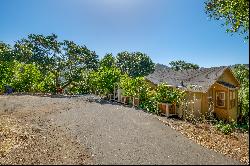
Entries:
{"x":6,"y":53}
{"x":135,"y":64}
{"x":65,"y":60}
{"x":234,"y":13}
{"x":182,"y":65}
{"x":108,"y":61}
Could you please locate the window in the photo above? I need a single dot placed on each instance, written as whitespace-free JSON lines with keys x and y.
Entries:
{"x":232,"y":99}
{"x":220,"y":99}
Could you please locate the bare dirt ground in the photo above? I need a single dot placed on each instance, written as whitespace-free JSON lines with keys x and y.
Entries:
{"x":46,"y":130}
{"x":28,"y":137}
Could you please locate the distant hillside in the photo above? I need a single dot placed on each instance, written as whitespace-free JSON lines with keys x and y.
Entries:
{"x":161,"y":66}
{"x":232,"y":66}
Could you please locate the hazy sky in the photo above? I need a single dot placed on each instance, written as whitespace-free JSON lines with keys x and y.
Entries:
{"x":166,"y":30}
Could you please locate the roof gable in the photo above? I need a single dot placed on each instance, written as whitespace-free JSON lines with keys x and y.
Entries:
{"x":229,"y":77}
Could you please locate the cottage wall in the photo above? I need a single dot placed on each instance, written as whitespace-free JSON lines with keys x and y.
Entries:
{"x":204,"y":103}
{"x":221,"y":113}
{"x":233,"y":112}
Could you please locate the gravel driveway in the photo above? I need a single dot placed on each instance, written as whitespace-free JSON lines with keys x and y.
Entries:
{"x":115,"y":134}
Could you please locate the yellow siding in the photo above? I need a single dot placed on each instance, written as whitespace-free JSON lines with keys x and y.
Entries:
{"x":204,"y":103}
{"x":227,"y":76}
{"x":233,"y":112}
{"x":221,"y":113}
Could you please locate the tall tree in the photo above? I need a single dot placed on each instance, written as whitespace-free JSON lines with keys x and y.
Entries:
{"x":6,"y":53}
{"x":104,"y":79}
{"x":76,"y":60}
{"x":65,"y":60}
{"x":234,"y":13}
{"x":107,"y":61}
{"x":6,"y":65}
{"x":182,"y":65}
{"x":135,"y":64}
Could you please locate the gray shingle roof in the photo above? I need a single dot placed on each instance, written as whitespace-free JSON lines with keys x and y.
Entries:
{"x":198,"y":80}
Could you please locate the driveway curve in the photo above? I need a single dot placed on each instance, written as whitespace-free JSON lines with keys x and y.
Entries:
{"x":115,"y":134}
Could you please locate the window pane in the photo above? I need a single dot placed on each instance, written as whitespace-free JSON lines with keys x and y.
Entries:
{"x":220,"y":99}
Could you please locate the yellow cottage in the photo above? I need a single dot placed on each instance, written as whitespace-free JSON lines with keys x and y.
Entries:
{"x":206,"y":87}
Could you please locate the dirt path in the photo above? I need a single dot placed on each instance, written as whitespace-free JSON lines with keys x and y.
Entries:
{"x":28,"y":137}
{"x":103,"y":133}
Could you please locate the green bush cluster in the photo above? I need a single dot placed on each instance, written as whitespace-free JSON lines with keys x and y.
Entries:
{"x":24,"y":78}
{"x":139,"y":87}
{"x":41,"y":63}
{"x":166,"y":94}
{"x":225,"y":128}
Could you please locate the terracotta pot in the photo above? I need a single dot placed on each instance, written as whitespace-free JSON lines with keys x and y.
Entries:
{"x":136,"y":101}
{"x":162,"y":107}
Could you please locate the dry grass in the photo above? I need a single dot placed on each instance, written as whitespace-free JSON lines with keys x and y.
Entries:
{"x":12,"y":135}
{"x":234,"y":145}
{"x":28,"y":137}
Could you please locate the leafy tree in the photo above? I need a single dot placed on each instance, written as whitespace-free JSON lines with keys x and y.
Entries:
{"x":77,"y":59}
{"x":26,"y":77}
{"x":107,"y":61}
{"x":134,"y":64}
{"x":234,"y":13}
{"x":65,"y":60}
{"x":23,"y":77}
{"x":6,"y":64}
{"x":242,"y":74}
{"x":182,"y":65}
{"x":104,"y":79}
{"x":133,"y":86}
{"x":42,"y":50}
{"x":6,"y":53}
{"x":6,"y":74}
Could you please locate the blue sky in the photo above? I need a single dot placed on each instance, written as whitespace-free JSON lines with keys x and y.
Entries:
{"x":166,"y":30}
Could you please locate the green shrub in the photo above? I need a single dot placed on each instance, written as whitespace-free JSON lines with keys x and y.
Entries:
{"x":104,"y":79}
{"x":225,"y":128}
{"x":166,"y":94}
{"x":149,"y":105}
{"x":134,"y":87}
{"x":148,"y":101}
{"x":6,"y":74}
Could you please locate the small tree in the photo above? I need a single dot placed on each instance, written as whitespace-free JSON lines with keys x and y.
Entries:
{"x":104,"y":79}
{"x":107,"y":61}
{"x":133,"y":87}
{"x":26,"y":77}
{"x":182,"y":65}
{"x":135,"y":64}
{"x":6,"y":65}
{"x":6,"y":52}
